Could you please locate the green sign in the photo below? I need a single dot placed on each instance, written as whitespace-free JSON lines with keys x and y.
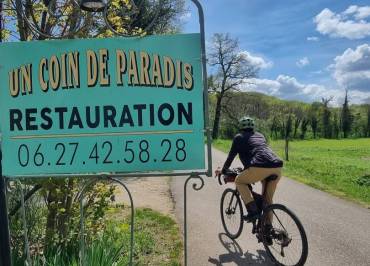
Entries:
{"x":102,"y":105}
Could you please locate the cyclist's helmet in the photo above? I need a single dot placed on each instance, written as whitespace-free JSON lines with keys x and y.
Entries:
{"x":246,"y":122}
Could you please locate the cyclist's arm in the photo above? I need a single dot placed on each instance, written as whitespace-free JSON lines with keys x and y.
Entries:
{"x":232,"y":153}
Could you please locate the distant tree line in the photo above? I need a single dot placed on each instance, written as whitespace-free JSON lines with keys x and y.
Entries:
{"x":281,"y":119}
{"x":231,"y":70}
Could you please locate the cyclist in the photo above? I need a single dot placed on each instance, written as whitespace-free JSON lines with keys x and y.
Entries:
{"x":259,"y":162}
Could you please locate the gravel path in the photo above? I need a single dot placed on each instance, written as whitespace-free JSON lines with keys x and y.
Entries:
{"x":149,"y":192}
{"x":338,"y":231}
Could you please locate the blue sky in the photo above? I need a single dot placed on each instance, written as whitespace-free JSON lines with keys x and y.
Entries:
{"x":310,"y":49}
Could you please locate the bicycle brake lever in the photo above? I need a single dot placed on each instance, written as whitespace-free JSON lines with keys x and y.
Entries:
{"x":219,"y":180}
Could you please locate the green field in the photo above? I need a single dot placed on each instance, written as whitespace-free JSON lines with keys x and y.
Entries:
{"x":341,"y":167}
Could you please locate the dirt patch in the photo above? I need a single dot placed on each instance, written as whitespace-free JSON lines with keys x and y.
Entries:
{"x":148,"y":192}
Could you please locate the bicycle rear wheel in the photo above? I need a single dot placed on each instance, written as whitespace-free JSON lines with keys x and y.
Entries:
{"x":285,"y":240}
{"x":231,"y":213}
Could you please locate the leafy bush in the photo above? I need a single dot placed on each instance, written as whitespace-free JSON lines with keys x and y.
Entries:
{"x":364,"y":181}
{"x":157,"y":242}
{"x":53,"y":216}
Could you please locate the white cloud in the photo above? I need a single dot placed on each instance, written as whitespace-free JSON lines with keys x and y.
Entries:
{"x":349,"y":24}
{"x":289,"y":88}
{"x":257,"y":61}
{"x":303,"y":62}
{"x":266,"y":86}
{"x":352,"y":69}
{"x":358,"y":12}
{"x":313,"y":39}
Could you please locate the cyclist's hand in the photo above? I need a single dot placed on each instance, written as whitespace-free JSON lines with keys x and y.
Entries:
{"x":218,"y":171}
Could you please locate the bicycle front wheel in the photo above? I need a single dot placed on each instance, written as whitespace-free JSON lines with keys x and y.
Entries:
{"x":283,"y":235}
{"x":231,"y":213}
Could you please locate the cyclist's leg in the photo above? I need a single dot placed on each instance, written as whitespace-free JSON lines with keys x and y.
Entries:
{"x":248,"y":176}
{"x":268,"y":189}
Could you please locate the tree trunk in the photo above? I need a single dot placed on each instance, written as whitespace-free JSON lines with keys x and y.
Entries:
{"x":216,"y":122}
{"x":64,"y":220}
{"x":52,"y":205}
{"x":20,"y":22}
{"x":368,"y":121}
{"x":296,"y":125}
{"x":287,"y":149}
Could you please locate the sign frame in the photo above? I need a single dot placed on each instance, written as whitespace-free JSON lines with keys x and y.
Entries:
{"x":194,"y":176}
{"x":206,"y":132}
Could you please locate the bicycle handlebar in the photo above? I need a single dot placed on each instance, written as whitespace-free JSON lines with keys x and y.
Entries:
{"x":219,"y":179}
{"x":229,"y":172}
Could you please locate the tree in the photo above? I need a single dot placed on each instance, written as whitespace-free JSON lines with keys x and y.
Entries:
{"x":298,"y":117}
{"x":238,"y":104}
{"x":275,"y":126}
{"x":287,"y":125}
{"x":336,"y":125}
{"x":169,"y":14}
{"x":232,"y":68}
{"x":68,"y":17}
{"x":304,"y":127}
{"x":368,"y":120}
{"x":346,"y":117}
{"x":313,"y":116}
{"x":326,"y":115}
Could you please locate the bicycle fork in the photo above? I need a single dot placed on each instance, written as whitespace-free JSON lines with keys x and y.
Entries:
{"x":231,"y":210}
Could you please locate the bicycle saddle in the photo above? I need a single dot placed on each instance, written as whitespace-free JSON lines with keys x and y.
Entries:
{"x":271,"y":178}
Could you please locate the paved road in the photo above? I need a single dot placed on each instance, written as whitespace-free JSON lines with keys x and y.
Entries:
{"x":338,"y":231}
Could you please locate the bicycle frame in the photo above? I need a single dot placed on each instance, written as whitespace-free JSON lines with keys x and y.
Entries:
{"x":265,"y":231}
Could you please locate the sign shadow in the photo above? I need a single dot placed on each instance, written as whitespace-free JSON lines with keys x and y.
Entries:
{"x":236,"y":255}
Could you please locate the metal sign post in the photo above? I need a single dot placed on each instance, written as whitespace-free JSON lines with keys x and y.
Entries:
{"x":5,"y":252}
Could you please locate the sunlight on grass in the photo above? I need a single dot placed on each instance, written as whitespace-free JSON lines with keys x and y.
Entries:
{"x":340,"y":167}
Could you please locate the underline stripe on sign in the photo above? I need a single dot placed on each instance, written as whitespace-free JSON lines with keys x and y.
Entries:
{"x":101,"y":134}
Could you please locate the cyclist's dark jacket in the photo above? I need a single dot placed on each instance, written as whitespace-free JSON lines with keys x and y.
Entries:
{"x":253,"y":151}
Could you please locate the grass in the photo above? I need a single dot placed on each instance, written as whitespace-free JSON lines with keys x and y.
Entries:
{"x":340,"y":167}
{"x":164,"y":237}
{"x":157,"y":242}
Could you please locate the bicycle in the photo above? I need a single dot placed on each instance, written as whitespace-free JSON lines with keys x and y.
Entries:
{"x":269,"y":227}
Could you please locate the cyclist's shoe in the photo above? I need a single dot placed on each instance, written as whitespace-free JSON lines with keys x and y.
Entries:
{"x":253,"y":212}
{"x":268,"y":234}
{"x":251,"y":216}
{"x":268,"y":240}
